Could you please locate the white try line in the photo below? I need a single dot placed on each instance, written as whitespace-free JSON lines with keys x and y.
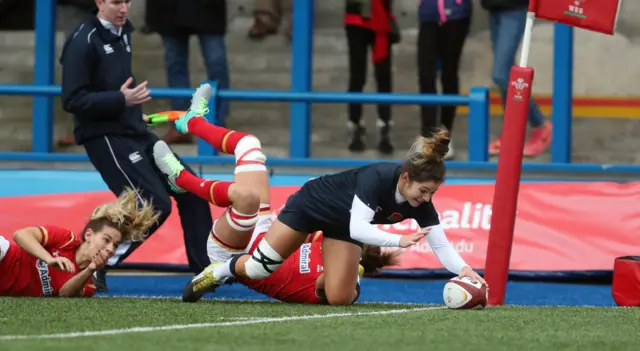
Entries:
{"x":206,"y":325}
{"x":226,"y":299}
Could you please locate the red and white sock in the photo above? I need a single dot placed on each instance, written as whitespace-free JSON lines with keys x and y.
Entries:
{"x":223,"y":139}
{"x":214,"y":191}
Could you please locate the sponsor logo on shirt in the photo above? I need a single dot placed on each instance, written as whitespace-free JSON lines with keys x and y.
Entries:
{"x":45,"y":279}
{"x":305,"y":252}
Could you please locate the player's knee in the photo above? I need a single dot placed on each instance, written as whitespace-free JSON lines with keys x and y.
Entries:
{"x":249,"y":155}
{"x":245,"y":199}
{"x":264,"y":261}
{"x":341,"y":294}
{"x":340,"y":297}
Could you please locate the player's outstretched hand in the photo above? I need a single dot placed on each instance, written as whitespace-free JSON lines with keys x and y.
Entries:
{"x":63,"y":264}
{"x":137,"y":95}
{"x":412,"y":239}
{"x":99,"y":260}
{"x":469,"y":272}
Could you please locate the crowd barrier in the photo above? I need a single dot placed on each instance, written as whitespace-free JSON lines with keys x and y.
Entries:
{"x":299,"y":143}
{"x":301,"y":97}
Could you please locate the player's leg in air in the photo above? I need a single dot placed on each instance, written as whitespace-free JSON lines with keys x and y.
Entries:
{"x":247,"y":197}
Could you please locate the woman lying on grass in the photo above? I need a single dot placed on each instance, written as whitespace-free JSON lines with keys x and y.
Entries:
{"x":53,"y":261}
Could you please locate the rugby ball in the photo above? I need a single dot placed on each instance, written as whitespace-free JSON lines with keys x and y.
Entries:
{"x":465,"y":293}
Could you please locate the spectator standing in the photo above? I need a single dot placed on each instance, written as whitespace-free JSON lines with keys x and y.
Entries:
{"x":176,"y":21}
{"x":370,"y":24}
{"x":444,"y":26}
{"x":507,"y":20}
{"x":268,"y":16}
{"x":99,"y":89}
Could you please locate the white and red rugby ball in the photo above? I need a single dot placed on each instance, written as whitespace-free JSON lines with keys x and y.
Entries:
{"x":465,"y":293}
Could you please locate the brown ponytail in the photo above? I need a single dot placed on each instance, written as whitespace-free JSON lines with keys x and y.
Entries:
{"x":425,"y":159}
{"x":373,"y":259}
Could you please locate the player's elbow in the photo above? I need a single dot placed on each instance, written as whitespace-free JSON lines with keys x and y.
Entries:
{"x":67,"y":293}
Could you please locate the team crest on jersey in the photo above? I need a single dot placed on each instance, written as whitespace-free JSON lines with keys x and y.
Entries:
{"x":396,"y":217}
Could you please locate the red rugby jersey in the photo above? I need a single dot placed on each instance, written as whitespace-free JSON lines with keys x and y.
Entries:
{"x":295,"y":280}
{"x":24,"y":275}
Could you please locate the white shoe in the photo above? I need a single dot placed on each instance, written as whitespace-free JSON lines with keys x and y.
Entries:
{"x":200,"y":98}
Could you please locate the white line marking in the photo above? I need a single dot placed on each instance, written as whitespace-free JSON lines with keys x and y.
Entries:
{"x":250,"y":300}
{"x":205,"y":325}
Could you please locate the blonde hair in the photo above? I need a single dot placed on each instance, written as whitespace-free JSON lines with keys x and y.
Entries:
{"x":425,"y":159}
{"x":126,"y":214}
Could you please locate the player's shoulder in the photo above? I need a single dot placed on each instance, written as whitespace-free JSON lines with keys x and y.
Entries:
{"x":59,"y":237}
{"x":426,"y":214}
{"x":379,"y":173}
{"x":382,"y":170}
{"x":49,"y":229}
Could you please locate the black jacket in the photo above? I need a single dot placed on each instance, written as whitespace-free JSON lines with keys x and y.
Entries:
{"x":95,"y":64}
{"x":183,"y":17}
{"x":500,"y":5}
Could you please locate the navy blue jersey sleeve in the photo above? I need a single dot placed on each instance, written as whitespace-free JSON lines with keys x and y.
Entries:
{"x":363,"y":209}
{"x":78,"y":63}
{"x":426,"y":215}
{"x":367,"y":187}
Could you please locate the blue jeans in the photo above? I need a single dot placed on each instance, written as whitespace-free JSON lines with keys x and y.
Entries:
{"x":176,"y":59}
{"x":507,"y":28}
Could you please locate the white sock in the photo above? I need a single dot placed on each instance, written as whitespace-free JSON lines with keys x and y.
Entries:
{"x":223,"y":271}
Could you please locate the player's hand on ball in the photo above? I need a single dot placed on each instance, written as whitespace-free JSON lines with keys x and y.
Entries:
{"x":469,"y":272}
{"x":99,"y":260}
{"x":412,"y":239}
{"x":63,"y":264}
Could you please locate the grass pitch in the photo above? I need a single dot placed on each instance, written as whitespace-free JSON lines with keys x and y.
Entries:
{"x":168,"y":324}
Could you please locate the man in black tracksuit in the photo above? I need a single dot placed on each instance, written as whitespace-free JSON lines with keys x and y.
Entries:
{"x":99,"y":89}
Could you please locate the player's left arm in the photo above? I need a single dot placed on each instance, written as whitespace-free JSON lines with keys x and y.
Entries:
{"x":75,"y":287}
{"x":444,"y":251}
{"x":442,"y":248}
{"x":78,"y":285}
{"x":449,"y":256}
{"x":427,"y":217}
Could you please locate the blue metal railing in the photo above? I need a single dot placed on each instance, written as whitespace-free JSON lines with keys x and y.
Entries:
{"x":301,"y":97}
{"x":477,"y":100}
